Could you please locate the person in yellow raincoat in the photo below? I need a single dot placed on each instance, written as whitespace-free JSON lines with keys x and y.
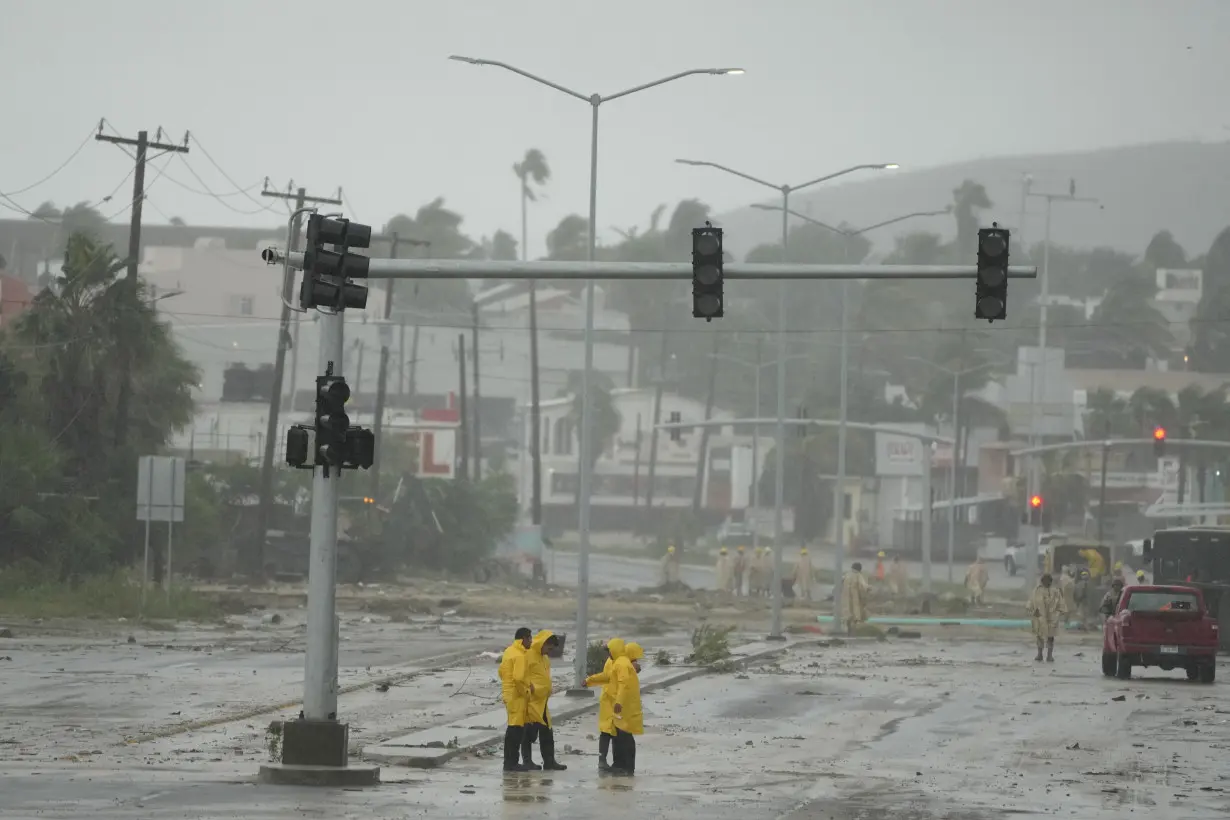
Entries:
{"x":606,"y":701}
{"x":629,"y":720}
{"x":537,"y":716}
{"x":1046,"y":607}
{"x":1097,"y":566}
{"x":740,"y":567}
{"x":898,"y":578}
{"x":724,"y":571}
{"x":515,"y":689}
{"x":803,"y":575}
{"x":668,"y":575}
{"x":854,"y":593}
{"x":976,"y":579}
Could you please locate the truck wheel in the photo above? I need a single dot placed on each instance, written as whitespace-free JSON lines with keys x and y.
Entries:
{"x":1123,"y":667}
{"x":1108,"y":664}
{"x":1208,"y":672}
{"x":1193,"y":672}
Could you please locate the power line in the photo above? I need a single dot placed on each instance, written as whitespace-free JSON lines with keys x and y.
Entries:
{"x":89,"y":135}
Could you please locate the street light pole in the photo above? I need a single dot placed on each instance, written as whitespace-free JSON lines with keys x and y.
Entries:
{"x":779,"y":465}
{"x":839,"y":486}
{"x":584,"y":461}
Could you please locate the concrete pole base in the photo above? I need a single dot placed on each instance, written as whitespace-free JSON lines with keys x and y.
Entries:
{"x":281,"y":774}
{"x":775,"y":637}
{"x":580,"y":692}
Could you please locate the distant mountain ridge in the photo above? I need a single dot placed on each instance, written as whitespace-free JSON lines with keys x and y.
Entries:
{"x":1183,"y":187}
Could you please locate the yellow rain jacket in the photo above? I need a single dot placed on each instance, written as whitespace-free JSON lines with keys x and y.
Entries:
{"x":513,"y":684}
{"x":538,"y":674}
{"x":628,"y":691}
{"x":1045,"y":608}
{"x":606,"y":701}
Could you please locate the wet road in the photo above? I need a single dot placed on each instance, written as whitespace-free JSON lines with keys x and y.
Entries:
{"x":921,"y":730}
{"x":610,"y":572}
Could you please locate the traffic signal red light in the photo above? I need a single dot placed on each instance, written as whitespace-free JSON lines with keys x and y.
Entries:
{"x":1035,"y":501}
{"x":1159,"y":433}
{"x":1035,"y":510}
{"x":1159,"y":441}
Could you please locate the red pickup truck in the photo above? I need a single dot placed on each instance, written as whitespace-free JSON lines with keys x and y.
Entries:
{"x":1166,"y":626}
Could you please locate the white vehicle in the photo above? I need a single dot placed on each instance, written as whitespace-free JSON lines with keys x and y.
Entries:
{"x":1014,"y":556}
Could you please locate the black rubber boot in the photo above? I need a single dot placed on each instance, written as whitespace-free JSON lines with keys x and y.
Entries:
{"x":527,"y":748}
{"x":604,"y":746}
{"x":1050,"y":650}
{"x":546,"y":742}
{"x":512,"y":748}
{"x":1038,"y":657}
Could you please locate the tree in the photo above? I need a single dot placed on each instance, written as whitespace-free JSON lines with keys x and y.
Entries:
{"x":1107,"y":415}
{"x":178,"y":222}
{"x":1129,"y":328}
{"x":1164,"y":252}
{"x":71,"y":333}
{"x":533,"y":169}
{"x":569,"y":240}
{"x":501,"y":247}
{"x":1210,"y":332}
{"x":967,"y":200}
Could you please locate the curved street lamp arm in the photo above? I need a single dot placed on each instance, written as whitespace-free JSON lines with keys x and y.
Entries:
{"x":526,"y":74}
{"x":902,"y":219}
{"x":876,"y":166}
{"x":669,"y":79}
{"x":803,"y":217}
{"x":748,"y":177}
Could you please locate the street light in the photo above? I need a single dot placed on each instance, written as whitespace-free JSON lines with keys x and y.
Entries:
{"x":757,"y":366}
{"x":952,"y":478}
{"x":839,"y":487}
{"x":779,"y":482}
{"x":586,"y":465}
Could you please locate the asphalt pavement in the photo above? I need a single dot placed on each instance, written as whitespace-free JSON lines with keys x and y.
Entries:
{"x":610,"y":572}
{"x":911,"y":729}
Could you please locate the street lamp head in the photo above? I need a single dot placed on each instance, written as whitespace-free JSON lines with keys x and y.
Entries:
{"x":690,"y":162}
{"x":470,"y":60}
{"x":890,"y":166}
{"x":761,"y":207}
{"x":730,"y":71}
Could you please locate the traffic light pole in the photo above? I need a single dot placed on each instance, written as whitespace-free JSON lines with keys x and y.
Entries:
{"x":319,"y":680}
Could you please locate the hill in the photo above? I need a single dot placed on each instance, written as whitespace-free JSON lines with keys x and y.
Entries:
{"x":1180,"y":186}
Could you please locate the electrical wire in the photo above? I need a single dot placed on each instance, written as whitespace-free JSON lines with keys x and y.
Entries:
{"x":197,"y":143}
{"x":17,"y":192}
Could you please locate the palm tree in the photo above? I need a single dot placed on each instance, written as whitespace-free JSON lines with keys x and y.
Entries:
{"x":533,"y":168}
{"x":605,"y":419}
{"x":1106,"y":415}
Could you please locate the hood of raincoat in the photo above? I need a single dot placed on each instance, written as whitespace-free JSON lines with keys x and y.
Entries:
{"x":633,"y":651}
{"x":539,"y":640}
{"x":616,"y":647}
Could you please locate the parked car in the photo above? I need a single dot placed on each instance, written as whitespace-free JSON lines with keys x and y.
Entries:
{"x":1166,"y":626}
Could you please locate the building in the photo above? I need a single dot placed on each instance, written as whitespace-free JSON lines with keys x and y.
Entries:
{"x":15,"y":297}
{"x":621,"y":473}
{"x":1178,"y":296}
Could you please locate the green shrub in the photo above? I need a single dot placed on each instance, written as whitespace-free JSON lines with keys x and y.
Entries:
{"x":32,"y":594}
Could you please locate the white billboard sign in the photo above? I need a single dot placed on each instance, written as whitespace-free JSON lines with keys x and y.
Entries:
{"x":900,"y":456}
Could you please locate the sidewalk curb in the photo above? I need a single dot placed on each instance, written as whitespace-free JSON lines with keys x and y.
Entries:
{"x":424,"y":756}
{"x":408,"y":671}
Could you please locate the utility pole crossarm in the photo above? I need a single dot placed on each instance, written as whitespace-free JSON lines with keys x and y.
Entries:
{"x":316,"y":200}
{"x":160,"y":146}
{"x":1120,"y":442}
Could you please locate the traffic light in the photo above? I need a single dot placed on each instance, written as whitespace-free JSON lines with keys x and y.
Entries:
{"x":327,"y":273}
{"x":332,"y":423}
{"x":707,"y":273}
{"x":676,"y":433}
{"x":1159,"y":441}
{"x":992,"y":290}
{"x":297,"y":446}
{"x":360,"y":449}
{"x":1035,"y":510}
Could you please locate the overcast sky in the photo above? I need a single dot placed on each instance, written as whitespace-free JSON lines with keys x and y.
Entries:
{"x":361,"y":94}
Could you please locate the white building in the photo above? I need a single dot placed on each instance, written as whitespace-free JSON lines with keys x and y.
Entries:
{"x":224,"y":307}
{"x":621,"y":474}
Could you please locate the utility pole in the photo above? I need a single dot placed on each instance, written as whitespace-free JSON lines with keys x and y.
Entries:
{"x":257,"y":554}
{"x":703,"y":454}
{"x":663,"y":359}
{"x":143,"y":145}
{"x":463,"y":419}
{"x":386,"y":332}
{"x":478,"y":402}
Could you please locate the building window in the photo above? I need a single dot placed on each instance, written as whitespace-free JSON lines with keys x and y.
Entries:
{"x":847,"y":506}
{"x":241,"y":304}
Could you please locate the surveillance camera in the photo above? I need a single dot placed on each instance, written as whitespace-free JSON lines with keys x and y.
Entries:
{"x":270,"y":255}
